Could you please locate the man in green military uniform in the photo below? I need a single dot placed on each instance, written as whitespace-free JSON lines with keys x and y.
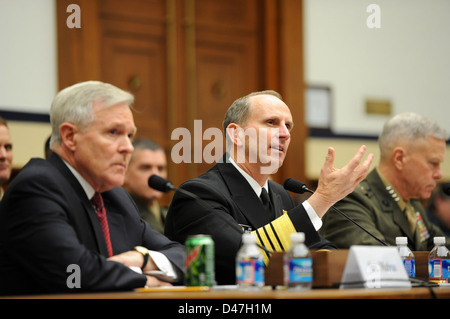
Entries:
{"x":148,"y":159}
{"x":387,"y":203}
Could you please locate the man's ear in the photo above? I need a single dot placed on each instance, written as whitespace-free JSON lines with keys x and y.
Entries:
{"x":68,"y":132}
{"x":233,"y":132}
{"x":398,"y":157}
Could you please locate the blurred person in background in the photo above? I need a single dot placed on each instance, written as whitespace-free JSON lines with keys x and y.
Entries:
{"x":438,"y":209}
{"x":6,"y":155}
{"x":148,"y":159}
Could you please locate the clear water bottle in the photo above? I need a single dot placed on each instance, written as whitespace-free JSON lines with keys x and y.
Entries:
{"x":298,"y":265}
{"x":249,"y":264}
{"x":439,"y":262}
{"x":406,"y":255}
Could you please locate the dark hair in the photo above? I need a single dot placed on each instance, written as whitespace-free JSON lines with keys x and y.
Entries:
{"x":144,"y":143}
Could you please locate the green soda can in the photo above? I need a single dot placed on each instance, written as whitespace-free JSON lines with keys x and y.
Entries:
{"x":199,"y":261}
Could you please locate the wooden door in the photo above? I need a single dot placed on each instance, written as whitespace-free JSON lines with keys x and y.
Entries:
{"x":225,"y":61}
{"x":134,"y":58}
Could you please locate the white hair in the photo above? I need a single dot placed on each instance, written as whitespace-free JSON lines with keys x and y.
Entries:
{"x":409,"y":127}
{"x":74,"y":104}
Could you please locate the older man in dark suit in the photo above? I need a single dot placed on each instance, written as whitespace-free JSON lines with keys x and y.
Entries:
{"x":257,"y":129}
{"x":68,"y":212}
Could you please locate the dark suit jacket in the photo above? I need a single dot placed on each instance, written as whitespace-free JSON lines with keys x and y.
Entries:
{"x":47,"y":223}
{"x":373,"y":207}
{"x":231,"y":196}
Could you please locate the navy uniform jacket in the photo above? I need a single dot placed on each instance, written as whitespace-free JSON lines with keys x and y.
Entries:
{"x":229,"y":194}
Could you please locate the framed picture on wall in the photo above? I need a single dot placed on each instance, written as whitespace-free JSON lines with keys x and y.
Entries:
{"x":318,"y":107}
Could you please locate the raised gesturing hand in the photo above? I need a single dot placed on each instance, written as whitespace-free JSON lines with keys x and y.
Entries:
{"x":334,"y":184}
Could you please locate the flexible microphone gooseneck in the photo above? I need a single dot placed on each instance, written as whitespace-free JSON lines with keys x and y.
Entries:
{"x":299,"y":187}
{"x":164,"y":185}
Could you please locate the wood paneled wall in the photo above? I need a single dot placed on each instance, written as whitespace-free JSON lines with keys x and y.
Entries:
{"x":187,"y":60}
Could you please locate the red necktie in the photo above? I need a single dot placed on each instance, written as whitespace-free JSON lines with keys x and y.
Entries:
{"x":97,"y":200}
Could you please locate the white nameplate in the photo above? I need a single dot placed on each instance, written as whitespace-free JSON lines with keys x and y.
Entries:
{"x":374,"y":267}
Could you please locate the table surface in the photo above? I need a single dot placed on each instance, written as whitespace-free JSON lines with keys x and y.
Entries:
{"x":161,"y":293}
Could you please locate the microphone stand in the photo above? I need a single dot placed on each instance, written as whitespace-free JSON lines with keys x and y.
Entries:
{"x":306,"y":189}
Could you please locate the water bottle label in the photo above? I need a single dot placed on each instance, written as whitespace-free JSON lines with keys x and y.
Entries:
{"x":299,"y":270}
{"x":439,"y":268}
{"x":410,"y":267}
{"x":250,"y":272}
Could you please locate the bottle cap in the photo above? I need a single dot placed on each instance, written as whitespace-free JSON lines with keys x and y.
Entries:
{"x":439,"y":240}
{"x":248,"y":238}
{"x":401,"y":240}
{"x":297,"y":237}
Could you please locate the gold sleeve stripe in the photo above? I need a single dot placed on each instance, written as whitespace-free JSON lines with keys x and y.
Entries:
{"x":270,"y":234}
{"x":262,"y":238}
{"x":280,"y":244}
{"x":284,"y":228}
{"x":266,"y":254}
{"x":275,"y":235}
